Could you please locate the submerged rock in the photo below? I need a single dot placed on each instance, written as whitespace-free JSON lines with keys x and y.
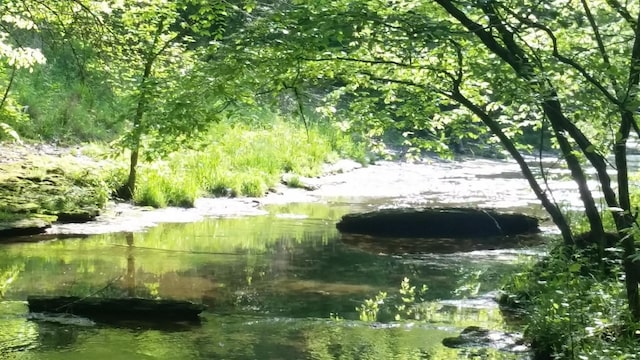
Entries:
{"x":475,"y":336}
{"x":110,"y":309}
{"x":438,"y":223}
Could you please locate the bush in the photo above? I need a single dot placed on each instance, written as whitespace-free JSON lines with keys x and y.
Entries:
{"x":575,"y":309}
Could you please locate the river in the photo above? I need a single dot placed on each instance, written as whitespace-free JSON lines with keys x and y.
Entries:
{"x":280,"y":285}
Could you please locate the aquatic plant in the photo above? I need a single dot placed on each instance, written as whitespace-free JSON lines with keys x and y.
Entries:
{"x":408,"y":304}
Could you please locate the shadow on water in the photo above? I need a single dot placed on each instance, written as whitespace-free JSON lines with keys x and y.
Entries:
{"x":386,"y":245}
{"x":271,"y":283}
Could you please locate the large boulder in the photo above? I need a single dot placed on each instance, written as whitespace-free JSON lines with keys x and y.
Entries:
{"x":438,"y":223}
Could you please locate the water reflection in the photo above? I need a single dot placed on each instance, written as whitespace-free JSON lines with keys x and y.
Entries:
{"x":271,"y":283}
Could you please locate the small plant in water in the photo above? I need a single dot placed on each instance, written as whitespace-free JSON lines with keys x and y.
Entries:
{"x":371,"y":307}
{"x":410,"y":297}
{"x":404,"y":306}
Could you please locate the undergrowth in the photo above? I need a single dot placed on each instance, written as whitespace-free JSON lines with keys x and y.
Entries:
{"x":575,"y":309}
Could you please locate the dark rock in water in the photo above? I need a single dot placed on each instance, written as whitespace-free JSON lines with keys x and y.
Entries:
{"x":438,"y":223}
{"x":78,"y":216}
{"x":474,"y":336}
{"x":23,"y":227}
{"x":112,"y":309}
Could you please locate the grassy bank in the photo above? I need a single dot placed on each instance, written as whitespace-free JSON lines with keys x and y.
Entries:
{"x":233,"y":159}
{"x":236,"y":160}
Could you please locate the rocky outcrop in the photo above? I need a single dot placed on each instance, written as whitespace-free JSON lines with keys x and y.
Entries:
{"x":78,"y":216}
{"x":23,"y":227}
{"x":296,"y":181}
{"x":438,"y":223}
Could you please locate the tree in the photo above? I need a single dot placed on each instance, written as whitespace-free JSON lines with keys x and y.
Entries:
{"x":148,"y":49}
{"x":14,"y":55}
{"x":571,"y":69}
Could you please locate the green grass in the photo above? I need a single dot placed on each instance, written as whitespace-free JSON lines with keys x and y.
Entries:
{"x":235,"y":160}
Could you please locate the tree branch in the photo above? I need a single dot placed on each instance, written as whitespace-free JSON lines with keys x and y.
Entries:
{"x":622,"y":11}
{"x":581,"y":69}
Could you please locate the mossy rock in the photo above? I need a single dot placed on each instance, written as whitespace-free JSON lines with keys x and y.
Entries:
{"x":78,"y":215}
{"x":61,"y":188}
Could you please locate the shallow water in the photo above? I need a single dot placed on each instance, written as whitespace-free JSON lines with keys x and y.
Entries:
{"x":274,"y":284}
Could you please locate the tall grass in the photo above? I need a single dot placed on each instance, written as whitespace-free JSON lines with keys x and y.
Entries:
{"x":237,"y":160}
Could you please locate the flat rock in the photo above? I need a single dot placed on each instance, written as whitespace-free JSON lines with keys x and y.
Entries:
{"x":78,"y":216}
{"x":302,"y":182}
{"x":438,"y":223}
{"x":23,"y":227}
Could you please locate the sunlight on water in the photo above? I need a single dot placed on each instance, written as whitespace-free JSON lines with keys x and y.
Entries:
{"x":271,"y":282}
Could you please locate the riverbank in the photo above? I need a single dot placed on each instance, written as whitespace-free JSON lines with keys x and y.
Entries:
{"x":430,"y":182}
{"x":43,"y":184}
{"x":51,"y":190}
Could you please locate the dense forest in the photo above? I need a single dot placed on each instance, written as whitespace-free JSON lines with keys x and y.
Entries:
{"x":195,"y":97}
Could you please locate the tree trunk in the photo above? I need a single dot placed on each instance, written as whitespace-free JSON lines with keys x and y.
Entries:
{"x":130,"y":187}
{"x":553,"y":112}
{"x":128,"y":190}
{"x":113,"y":309}
{"x":553,"y":210}
{"x":625,"y":220}
{"x":138,"y":129}
{"x":626,"y":231}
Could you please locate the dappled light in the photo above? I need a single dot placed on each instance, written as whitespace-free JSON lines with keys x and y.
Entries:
{"x":319,"y":179}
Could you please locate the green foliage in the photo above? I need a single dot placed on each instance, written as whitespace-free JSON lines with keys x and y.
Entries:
{"x":232,"y":160}
{"x":7,"y":276}
{"x":159,"y":187}
{"x":295,"y":182}
{"x":60,"y":109}
{"x":370,"y":308}
{"x":575,"y":309}
{"x":7,"y":131}
{"x":11,"y":118}
{"x":406,"y":305}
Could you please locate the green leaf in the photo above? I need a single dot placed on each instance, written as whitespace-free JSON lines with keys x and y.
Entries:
{"x":574,"y":268}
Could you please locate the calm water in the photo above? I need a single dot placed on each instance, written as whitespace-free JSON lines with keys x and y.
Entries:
{"x":274,"y":285}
